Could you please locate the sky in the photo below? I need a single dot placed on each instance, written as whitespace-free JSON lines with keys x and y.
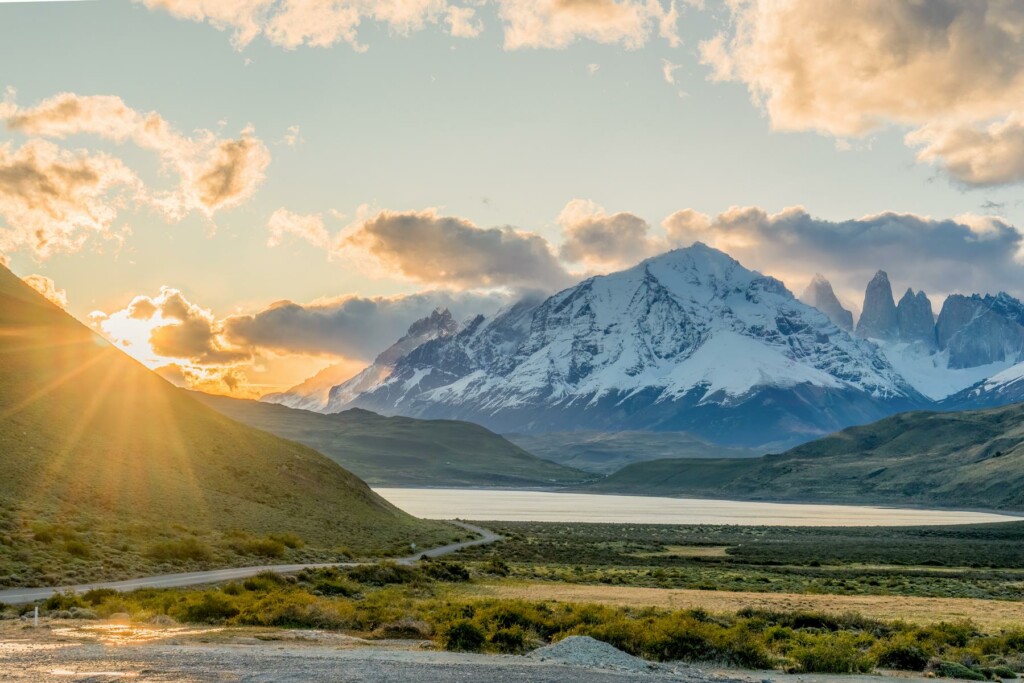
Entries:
{"x":243,"y":192}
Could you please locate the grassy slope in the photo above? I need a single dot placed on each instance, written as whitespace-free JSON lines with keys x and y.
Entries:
{"x":607,"y":452}
{"x":970,"y":459}
{"x":101,"y":457}
{"x":400,"y":451}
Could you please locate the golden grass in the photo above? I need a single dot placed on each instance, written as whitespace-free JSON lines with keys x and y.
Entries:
{"x":989,"y":614}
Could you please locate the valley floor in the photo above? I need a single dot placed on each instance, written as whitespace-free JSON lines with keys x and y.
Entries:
{"x":988,"y":614}
{"x":64,"y":651}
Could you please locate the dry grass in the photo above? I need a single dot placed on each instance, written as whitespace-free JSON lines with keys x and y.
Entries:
{"x":687,"y":551}
{"x":989,"y":614}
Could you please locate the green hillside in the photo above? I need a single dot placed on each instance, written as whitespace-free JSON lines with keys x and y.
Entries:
{"x":972,"y":459}
{"x":109,"y":471}
{"x":607,"y":452}
{"x":400,"y":451}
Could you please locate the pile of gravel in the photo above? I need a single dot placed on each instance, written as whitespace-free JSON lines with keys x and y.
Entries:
{"x":585,"y":651}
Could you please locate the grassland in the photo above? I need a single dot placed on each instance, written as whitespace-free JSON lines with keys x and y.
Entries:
{"x":402,"y":451}
{"x":982,"y":562}
{"x":970,"y":459}
{"x":110,"y":472}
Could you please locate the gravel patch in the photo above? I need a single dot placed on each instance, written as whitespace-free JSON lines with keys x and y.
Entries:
{"x":591,"y":653}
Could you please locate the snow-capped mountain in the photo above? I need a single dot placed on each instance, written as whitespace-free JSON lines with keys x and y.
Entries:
{"x":973,"y":338}
{"x":327,"y":392}
{"x":689,"y":340}
{"x":1000,"y":389}
{"x":820,"y":295}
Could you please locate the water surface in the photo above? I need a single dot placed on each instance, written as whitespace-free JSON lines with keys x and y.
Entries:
{"x":543,"y":506}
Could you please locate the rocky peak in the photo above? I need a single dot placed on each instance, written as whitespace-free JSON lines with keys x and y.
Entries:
{"x":820,"y":295}
{"x":979,"y":330}
{"x":878,"y":319}
{"x":915,"y":319}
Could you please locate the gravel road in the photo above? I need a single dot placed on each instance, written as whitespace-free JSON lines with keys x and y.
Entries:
{"x":20,"y":596}
{"x":269,"y":663}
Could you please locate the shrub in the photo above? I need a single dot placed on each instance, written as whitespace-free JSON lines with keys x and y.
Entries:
{"x":836,"y":654}
{"x":954,"y":670}
{"x":463,"y":636}
{"x":405,"y":628}
{"x":182,"y":550}
{"x":383,"y":574}
{"x":264,"y":547}
{"x":497,"y":566}
{"x":1004,"y":672}
{"x":450,"y":572}
{"x":77,"y":548}
{"x":62,"y":601}
{"x":902,"y":653}
{"x":288,"y":540}
{"x":511,"y":641}
{"x":97,"y":595}
{"x":208,"y":607}
{"x":293,"y":609}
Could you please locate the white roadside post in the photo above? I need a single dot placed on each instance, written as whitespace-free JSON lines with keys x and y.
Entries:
{"x":35,"y":618}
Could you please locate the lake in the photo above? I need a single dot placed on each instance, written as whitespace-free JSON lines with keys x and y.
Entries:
{"x":543,"y":506}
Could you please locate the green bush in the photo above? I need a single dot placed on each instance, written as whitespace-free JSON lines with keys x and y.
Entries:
{"x":62,"y":601}
{"x":450,"y":572}
{"x":182,"y":550}
{"x":208,"y":607}
{"x":288,"y":539}
{"x":264,"y":547}
{"x":1004,"y":672}
{"x":384,"y":573}
{"x":463,"y":636}
{"x":77,"y":548}
{"x":512,"y":641}
{"x":834,"y":654}
{"x":97,"y":595}
{"x":294,"y":609}
{"x":955,"y":670}
{"x":903,"y":653}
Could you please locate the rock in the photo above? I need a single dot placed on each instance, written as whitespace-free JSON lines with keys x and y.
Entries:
{"x":878,"y":319}
{"x":978,"y":330}
{"x":819,"y":294}
{"x":915,"y":319}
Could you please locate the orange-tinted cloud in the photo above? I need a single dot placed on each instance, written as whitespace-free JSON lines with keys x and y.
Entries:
{"x":527,"y":23}
{"x":605,"y":241}
{"x":851,"y":68}
{"x":426,"y":247}
{"x":213,"y":173}
{"x":54,"y":200}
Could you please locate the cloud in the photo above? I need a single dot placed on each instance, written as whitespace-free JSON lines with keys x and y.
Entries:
{"x":968,"y":254}
{"x":172,"y":327}
{"x":527,"y":23}
{"x":975,"y":155}
{"x":317,"y":23}
{"x":559,"y":23}
{"x":605,"y":242}
{"x":54,"y":200}
{"x":668,"y":71}
{"x":849,"y":69}
{"x":351,"y":326}
{"x":213,"y":173}
{"x":308,"y":227}
{"x":47,"y":288}
{"x":426,"y":247}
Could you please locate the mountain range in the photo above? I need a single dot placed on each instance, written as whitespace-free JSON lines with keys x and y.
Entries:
{"x":691,"y":341}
